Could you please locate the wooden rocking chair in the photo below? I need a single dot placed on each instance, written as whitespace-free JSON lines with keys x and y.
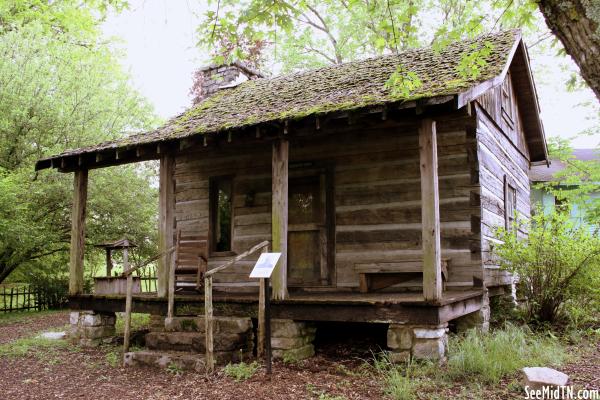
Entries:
{"x":191,"y":261}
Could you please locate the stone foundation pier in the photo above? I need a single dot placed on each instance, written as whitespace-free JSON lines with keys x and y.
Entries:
{"x":292,"y":340}
{"x":90,"y":328}
{"x":426,"y":342}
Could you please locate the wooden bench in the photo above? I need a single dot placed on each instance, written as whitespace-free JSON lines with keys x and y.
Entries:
{"x":376,"y":276}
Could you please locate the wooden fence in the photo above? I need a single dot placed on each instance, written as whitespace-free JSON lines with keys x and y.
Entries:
{"x":18,"y":297}
{"x":148,"y":279}
{"x":25,"y":297}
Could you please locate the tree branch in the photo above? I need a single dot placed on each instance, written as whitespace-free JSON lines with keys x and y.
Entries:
{"x":327,"y":31}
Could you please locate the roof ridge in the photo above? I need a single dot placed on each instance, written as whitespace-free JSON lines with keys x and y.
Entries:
{"x":383,"y":56}
{"x":340,"y":87}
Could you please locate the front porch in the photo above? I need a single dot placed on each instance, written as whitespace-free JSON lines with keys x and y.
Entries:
{"x":401,"y":307}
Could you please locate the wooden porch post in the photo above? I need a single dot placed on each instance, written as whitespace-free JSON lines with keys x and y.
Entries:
{"x":109,"y":263}
{"x":166,"y":205}
{"x":279,"y":216}
{"x":430,"y":211}
{"x":78,"y":232}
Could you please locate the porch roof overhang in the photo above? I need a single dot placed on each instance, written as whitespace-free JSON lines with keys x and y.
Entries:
{"x":355,"y":88}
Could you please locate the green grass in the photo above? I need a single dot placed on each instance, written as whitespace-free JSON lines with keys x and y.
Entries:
{"x":32,"y":346}
{"x":490,"y":357}
{"x":138,"y":322}
{"x":399,"y":385}
{"x":113,"y":358}
{"x":241,"y":371}
{"x":476,"y":362}
{"x":400,"y":381}
{"x":12,"y":317}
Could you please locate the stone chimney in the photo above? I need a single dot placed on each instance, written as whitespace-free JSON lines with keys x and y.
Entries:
{"x":212,"y":78}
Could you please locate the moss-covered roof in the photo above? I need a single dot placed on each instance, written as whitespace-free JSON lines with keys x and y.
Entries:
{"x":341,"y":87}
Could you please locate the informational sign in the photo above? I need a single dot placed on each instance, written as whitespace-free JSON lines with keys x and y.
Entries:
{"x":265,"y":265}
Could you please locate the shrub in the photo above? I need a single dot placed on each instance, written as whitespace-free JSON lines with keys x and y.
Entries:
{"x":53,"y":291}
{"x":241,"y":371}
{"x":490,"y":356}
{"x":558,"y":265}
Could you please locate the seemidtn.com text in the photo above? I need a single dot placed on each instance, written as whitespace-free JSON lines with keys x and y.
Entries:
{"x":561,"y":393}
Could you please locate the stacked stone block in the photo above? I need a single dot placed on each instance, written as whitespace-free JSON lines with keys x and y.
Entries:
{"x":157,"y":323}
{"x":233,"y":337}
{"x":91,"y":328}
{"x":215,"y":78}
{"x":292,"y":340}
{"x":184,"y":361}
{"x":418,"y":342}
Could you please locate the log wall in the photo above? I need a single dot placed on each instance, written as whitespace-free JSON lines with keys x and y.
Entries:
{"x":377,"y":196}
{"x":502,"y":154}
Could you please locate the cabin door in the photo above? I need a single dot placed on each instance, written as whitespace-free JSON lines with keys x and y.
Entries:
{"x":307,"y":230}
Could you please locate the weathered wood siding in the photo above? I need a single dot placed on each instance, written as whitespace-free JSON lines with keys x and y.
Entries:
{"x":502,"y":154}
{"x":377,"y":195}
{"x":251,"y":171}
{"x":378,"y":205}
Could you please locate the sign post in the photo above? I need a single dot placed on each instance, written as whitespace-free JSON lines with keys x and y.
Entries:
{"x":263,"y":269}
{"x":267,"y":301}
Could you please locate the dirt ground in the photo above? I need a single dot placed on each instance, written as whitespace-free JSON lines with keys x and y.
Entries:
{"x":26,"y":324}
{"x":70,"y":372}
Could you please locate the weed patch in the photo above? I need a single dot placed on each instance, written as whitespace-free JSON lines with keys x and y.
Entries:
{"x":241,"y":371}
{"x":174,"y":369}
{"x":400,"y":381}
{"x":112,"y":358}
{"x":489,"y":357}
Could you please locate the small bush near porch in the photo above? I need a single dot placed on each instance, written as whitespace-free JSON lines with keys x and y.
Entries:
{"x":558,"y":267}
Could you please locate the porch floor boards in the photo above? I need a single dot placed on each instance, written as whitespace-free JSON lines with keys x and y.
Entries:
{"x":403,"y":307}
{"x":349,"y":298}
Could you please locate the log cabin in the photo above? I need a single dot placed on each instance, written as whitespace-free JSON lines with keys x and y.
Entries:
{"x":382,"y":201}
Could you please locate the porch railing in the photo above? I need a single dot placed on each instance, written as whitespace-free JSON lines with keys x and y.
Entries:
{"x":128,"y":272}
{"x":208,"y":305}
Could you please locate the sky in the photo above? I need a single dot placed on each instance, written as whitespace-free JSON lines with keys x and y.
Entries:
{"x":158,"y":38}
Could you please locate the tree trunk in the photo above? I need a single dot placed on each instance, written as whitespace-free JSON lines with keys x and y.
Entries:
{"x":575,"y":23}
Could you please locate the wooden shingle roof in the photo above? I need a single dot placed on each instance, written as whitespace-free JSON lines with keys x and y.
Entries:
{"x":344,"y":87}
